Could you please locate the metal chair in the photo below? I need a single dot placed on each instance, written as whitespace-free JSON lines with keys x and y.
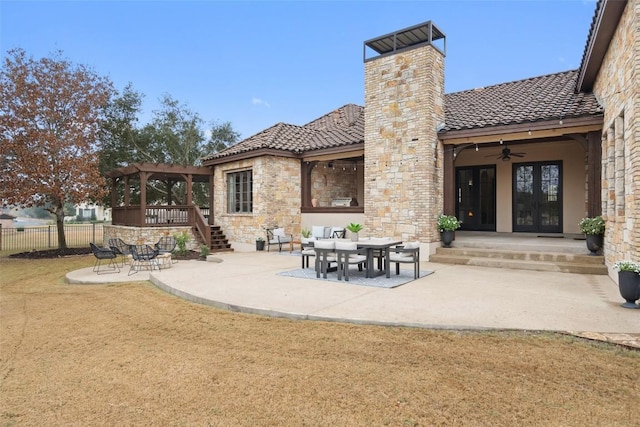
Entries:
{"x":347,"y":254}
{"x":408,"y":254}
{"x":104,"y":254}
{"x":120,"y":248}
{"x":166,"y":245}
{"x":277,"y":236}
{"x":143,"y":257}
{"x":325,"y":255}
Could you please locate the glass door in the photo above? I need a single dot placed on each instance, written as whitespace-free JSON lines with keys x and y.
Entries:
{"x":537,"y":197}
{"x":476,"y":198}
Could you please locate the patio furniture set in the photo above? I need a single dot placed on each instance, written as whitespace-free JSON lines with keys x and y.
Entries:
{"x":337,"y":254}
{"x":139,"y":256}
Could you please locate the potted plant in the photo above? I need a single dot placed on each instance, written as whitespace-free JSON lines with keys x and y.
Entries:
{"x":628,"y":282}
{"x":306,"y":236}
{"x":259,"y":243}
{"x":354,"y":228}
{"x":593,"y":229}
{"x":447,"y":225}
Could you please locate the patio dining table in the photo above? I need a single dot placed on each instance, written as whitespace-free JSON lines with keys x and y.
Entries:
{"x":373,"y":244}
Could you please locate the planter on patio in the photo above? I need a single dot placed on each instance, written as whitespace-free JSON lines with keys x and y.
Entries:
{"x":629,"y":287}
{"x":259,"y":245}
{"x":594,"y":243}
{"x":447,"y":237}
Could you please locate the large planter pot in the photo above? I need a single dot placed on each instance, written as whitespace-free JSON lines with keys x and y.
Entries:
{"x":259,"y":245}
{"x":629,"y":286}
{"x":594,"y":243}
{"x":447,"y":237}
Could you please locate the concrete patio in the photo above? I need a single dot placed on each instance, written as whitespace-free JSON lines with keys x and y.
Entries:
{"x":453,"y":297}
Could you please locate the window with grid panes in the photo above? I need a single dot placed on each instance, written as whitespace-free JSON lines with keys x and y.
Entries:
{"x":240,"y":192}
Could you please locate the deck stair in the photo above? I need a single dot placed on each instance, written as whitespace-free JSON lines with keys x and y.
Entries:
{"x":566,"y":255}
{"x":219,"y":242}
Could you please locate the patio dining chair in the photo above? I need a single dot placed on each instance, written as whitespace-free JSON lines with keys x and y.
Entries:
{"x":409,"y":253}
{"x":306,"y":252}
{"x":102,"y":254}
{"x":348,"y":254}
{"x":120,"y":248}
{"x":325,"y":256}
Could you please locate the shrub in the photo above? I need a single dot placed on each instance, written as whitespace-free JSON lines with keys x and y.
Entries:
{"x":448,"y":223}
{"x":593,"y":226}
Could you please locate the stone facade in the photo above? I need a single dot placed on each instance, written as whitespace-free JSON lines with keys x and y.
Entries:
{"x":276,"y":198}
{"x":618,"y":89}
{"x":329,"y":182}
{"x":404,"y":95}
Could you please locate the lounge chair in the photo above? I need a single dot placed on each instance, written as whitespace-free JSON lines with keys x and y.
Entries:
{"x":102,"y":254}
{"x":143,"y":257}
{"x":120,"y":248}
{"x":277,"y":236}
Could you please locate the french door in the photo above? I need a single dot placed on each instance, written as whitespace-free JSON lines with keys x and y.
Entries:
{"x":476,"y":197}
{"x":537,"y":197}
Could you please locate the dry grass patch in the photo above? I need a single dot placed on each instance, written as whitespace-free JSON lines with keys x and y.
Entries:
{"x":132,"y":354}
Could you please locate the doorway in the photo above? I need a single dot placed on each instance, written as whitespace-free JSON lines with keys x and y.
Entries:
{"x":476,"y":197}
{"x":537,"y":197}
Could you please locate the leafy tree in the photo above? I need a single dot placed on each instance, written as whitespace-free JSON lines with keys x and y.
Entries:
{"x":221,"y":137}
{"x":174,"y":135}
{"x":50,"y":113}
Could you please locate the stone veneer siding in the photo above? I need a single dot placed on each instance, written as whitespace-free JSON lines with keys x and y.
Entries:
{"x":618,"y":89}
{"x":404,"y":99}
{"x":328,"y":184}
{"x":276,"y":198}
{"x":147,"y":235}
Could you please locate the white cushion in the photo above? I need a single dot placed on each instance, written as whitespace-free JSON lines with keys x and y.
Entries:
{"x":346,"y":246}
{"x":412,"y":245}
{"x":356,"y":259}
{"x":317,"y":232}
{"x":324,"y":244}
{"x":278,"y":232}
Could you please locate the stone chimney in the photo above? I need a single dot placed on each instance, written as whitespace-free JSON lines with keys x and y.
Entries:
{"x":404,"y":104}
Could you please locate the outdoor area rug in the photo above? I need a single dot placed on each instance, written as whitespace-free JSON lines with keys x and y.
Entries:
{"x":357,"y":277}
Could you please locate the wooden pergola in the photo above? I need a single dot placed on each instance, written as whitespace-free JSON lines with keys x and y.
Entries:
{"x":156,"y":215}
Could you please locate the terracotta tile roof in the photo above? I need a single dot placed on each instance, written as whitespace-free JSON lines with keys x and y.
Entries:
{"x":535,"y":99}
{"x":539,"y":98}
{"x":341,"y":127}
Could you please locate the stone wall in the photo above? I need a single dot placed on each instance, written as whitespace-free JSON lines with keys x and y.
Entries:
{"x":404,"y":98}
{"x":618,"y":89}
{"x":329,"y":182}
{"x":147,"y":235}
{"x":276,"y":198}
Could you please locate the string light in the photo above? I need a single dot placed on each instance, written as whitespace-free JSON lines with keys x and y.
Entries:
{"x":476,"y":147}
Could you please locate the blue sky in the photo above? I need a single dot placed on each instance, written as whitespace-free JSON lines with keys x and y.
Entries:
{"x":257,"y":63}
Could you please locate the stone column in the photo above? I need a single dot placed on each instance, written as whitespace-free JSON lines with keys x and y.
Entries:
{"x":404,"y":102}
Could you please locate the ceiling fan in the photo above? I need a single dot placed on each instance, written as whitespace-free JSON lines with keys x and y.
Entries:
{"x":506,"y":154}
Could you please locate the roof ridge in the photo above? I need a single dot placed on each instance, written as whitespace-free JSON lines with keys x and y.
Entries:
{"x":513,"y":82}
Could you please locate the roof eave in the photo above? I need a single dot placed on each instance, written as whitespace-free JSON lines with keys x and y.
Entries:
{"x":522,"y":130}
{"x":602,"y":31}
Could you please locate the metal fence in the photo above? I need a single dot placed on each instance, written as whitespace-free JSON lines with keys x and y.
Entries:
{"x":24,"y":239}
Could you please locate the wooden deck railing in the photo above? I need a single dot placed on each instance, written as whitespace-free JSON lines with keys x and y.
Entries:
{"x":202,"y":226}
{"x":157,"y":216}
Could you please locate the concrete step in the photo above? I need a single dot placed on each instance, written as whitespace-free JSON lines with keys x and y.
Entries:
{"x":522,"y":260}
